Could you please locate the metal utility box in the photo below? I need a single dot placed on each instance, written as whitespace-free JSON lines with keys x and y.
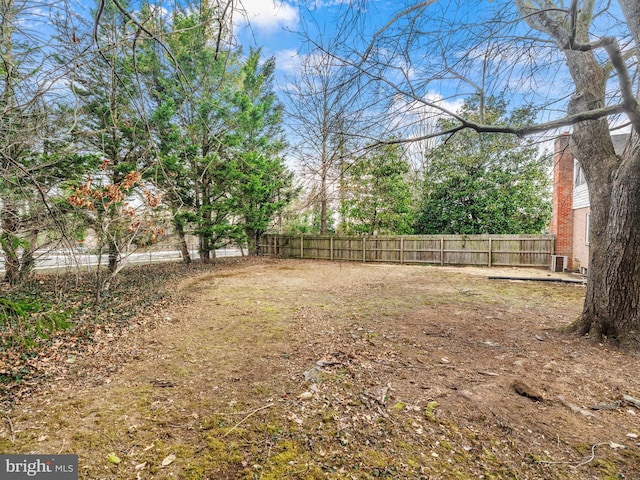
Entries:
{"x":559,"y":263}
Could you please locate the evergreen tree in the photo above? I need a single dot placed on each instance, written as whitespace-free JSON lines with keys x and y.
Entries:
{"x":263,"y":185}
{"x":486,"y":182}
{"x":376,"y":194}
{"x":220,"y":142}
{"x":193,"y":89}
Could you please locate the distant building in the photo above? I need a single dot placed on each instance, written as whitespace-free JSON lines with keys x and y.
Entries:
{"x":571,"y":219}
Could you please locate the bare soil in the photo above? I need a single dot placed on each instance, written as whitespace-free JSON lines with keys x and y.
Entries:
{"x":282,"y":369}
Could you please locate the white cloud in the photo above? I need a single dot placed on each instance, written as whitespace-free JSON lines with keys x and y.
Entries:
{"x":269,"y":15}
{"x":288,"y":60}
{"x":291,"y":61}
{"x":317,"y":4}
{"x":421,"y":116}
{"x":418,"y":118}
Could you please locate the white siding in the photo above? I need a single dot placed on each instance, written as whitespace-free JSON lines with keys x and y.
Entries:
{"x":580,"y":246}
{"x":580,"y":197}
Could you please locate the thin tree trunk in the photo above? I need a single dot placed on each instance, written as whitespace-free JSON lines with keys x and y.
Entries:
{"x":205,"y":253}
{"x":323,"y":216}
{"x":98,"y":285}
{"x":113,"y":256}
{"x":252,"y":242}
{"x":184,"y":248}
{"x":28,"y":260}
{"x":323,"y":190}
{"x":9,"y":241}
{"x":206,"y":218}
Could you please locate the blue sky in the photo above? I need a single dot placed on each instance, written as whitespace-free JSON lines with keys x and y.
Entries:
{"x":278,"y":25}
{"x":275,"y":25}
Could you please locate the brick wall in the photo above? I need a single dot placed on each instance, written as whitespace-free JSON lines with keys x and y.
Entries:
{"x":562,"y":218}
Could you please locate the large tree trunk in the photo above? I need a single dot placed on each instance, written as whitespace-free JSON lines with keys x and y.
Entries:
{"x":613,"y":288}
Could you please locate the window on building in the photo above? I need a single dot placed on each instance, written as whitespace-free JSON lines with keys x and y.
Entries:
{"x":587,"y":234}
{"x":579,"y":175}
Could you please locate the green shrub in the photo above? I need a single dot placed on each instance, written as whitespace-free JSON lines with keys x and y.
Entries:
{"x":26,"y":322}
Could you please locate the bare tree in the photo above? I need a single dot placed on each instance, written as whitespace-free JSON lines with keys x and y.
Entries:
{"x":321,"y":109}
{"x":576,"y":64}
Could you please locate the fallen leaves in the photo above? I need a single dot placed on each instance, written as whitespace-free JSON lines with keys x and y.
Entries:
{"x":138,"y":297}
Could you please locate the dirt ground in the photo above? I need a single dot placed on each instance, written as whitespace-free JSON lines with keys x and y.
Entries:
{"x":283,"y":369}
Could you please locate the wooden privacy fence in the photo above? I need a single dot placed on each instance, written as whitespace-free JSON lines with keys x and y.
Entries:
{"x":489,"y":250}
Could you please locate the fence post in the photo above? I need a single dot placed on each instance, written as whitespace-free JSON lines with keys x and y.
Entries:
{"x":401,"y":250}
{"x":441,"y":250}
{"x":490,"y":240}
{"x":331,"y":247}
{"x":364,"y":253}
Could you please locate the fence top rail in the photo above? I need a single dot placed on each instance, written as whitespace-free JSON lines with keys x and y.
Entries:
{"x":540,"y":237}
